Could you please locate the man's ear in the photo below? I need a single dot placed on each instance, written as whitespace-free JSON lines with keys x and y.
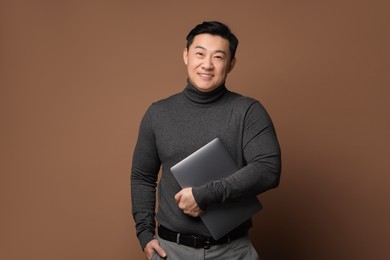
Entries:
{"x":232,"y":64}
{"x":185,"y":56}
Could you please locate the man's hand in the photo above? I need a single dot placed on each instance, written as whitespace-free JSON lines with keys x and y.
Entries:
{"x":186,"y":202}
{"x":154,"y":247}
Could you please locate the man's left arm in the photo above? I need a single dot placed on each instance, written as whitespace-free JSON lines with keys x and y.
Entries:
{"x":263,"y":163}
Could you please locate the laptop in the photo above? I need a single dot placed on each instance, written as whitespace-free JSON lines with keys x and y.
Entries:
{"x":213,"y":162}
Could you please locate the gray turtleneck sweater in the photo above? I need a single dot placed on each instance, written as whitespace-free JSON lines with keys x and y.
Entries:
{"x":175,"y":127}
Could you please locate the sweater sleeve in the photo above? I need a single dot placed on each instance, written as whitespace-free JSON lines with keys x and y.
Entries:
{"x":262,"y":168}
{"x":144,"y":173}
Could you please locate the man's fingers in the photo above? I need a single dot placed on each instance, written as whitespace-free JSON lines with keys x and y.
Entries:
{"x":178,"y":196}
{"x":161,"y":252}
{"x":154,"y":246}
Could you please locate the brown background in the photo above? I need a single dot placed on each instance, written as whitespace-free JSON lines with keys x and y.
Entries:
{"x":77,"y":76}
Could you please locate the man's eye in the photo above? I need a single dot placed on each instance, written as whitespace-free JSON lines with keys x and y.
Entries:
{"x":219,"y":57}
{"x":199,"y":53}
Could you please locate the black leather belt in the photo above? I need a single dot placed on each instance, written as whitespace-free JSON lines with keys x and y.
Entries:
{"x":194,"y":240}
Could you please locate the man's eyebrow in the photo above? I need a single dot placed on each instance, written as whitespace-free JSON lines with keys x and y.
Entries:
{"x":203,"y":48}
{"x":198,"y":46}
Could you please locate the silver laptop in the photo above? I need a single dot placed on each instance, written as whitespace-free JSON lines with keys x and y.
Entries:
{"x":213,"y":162}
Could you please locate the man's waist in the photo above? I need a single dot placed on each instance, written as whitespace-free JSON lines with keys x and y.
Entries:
{"x":197,"y":241}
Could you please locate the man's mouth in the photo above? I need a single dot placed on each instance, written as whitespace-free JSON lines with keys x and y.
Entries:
{"x":206,"y":75}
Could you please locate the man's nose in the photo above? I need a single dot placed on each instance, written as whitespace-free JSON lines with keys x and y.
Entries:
{"x":208,"y":64}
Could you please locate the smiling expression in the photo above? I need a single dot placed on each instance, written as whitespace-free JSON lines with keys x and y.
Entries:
{"x":208,"y":61}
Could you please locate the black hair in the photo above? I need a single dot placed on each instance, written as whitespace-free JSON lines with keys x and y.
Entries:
{"x":214,"y":28}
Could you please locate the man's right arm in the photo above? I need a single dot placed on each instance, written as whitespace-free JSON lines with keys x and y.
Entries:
{"x":144,"y":173}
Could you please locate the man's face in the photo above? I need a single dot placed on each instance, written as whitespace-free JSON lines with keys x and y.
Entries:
{"x":208,"y":61}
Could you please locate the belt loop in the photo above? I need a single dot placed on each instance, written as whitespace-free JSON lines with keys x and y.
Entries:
{"x":178,"y":238}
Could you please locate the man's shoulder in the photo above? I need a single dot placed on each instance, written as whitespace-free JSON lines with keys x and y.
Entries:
{"x":244,"y":104}
{"x":168,"y":100}
{"x":166,"y":103}
{"x":241,"y":100}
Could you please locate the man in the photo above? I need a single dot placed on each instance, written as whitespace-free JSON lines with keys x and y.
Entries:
{"x":175,"y":127}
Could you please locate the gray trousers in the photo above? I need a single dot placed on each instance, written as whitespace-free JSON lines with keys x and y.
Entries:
{"x":237,"y":249}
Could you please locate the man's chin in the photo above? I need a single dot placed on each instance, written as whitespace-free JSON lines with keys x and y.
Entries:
{"x":204,"y":88}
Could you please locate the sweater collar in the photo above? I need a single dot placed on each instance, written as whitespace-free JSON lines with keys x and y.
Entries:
{"x":199,"y":97}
